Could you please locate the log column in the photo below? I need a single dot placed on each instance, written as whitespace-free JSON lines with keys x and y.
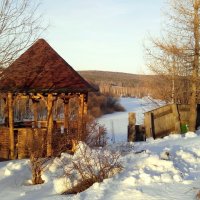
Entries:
{"x":35,"y":112}
{"x":131,"y":126}
{"x":85,"y":105}
{"x":66,"y":113}
{"x":11,"y":125}
{"x":49,"y":124}
{"x":81,"y":114}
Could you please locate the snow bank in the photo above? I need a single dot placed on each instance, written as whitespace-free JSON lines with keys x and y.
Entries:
{"x":156,"y":169}
{"x":167,"y":168}
{"x":68,"y":171}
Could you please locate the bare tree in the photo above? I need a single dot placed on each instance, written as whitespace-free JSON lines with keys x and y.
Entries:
{"x":20,"y":25}
{"x":177,"y":52}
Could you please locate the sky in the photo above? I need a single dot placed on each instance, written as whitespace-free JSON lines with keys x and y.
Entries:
{"x":106,"y":35}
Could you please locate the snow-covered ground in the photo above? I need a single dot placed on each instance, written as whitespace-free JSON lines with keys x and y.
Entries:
{"x":159,"y":169}
{"x":162,"y":169}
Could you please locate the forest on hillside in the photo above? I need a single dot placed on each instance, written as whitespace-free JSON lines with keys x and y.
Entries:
{"x":134,"y":85}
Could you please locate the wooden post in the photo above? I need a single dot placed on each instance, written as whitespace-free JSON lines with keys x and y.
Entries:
{"x":49,"y":124}
{"x":140,"y":133}
{"x":11,"y":125}
{"x":81,"y":114}
{"x":153,"y":133}
{"x":147,"y":124}
{"x":66,"y":113}
{"x":81,"y":105}
{"x":131,"y":127}
{"x":5,"y":113}
{"x":35,"y":112}
{"x":85,"y":109}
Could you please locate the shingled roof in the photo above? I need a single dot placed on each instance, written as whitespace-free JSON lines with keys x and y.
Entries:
{"x":41,"y":69}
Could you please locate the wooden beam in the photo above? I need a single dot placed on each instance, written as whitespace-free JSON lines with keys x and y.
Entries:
{"x":11,"y":125}
{"x":67,"y":96}
{"x":37,"y":97}
{"x":49,"y":124}
{"x":21,"y":96}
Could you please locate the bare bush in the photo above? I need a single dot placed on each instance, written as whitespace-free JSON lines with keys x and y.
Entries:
{"x":94,"y":135}
{"x":198,"y":195}
{"x":89,"y":166}
{"x":36,"y":164}
{"x":37,"y":160}
{"x":100,"y":104}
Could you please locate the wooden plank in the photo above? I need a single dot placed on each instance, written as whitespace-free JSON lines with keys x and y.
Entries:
{"x":147,"y":124}
{"x":162,"y":120}
{"x":23,"y":143}
{"x":184,"y":109}
{"x":161,"y":114}
{"x":165,"y":132}
{"x":4,"y":143}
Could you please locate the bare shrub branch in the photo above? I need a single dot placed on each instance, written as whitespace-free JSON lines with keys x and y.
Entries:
{"x":20,"y":26}
{"x":90,"y":166}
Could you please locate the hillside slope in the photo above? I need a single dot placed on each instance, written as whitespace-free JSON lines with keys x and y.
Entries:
{"x":118,"y":78}
{"x":121,"y":84}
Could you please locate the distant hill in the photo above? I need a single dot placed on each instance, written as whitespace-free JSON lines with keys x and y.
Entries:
{"x":116,"y":78}
{"x":120,"y":84}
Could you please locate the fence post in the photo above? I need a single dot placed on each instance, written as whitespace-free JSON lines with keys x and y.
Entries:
{"x":131,"y":127}
{"x":153,"y":133}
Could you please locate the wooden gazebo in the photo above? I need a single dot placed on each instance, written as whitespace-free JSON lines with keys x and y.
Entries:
{"x":39,"y":74}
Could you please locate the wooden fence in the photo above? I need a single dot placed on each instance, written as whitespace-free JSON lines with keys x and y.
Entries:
{"x":4,"y":143}
{"x":165,"y":120}
{"x":28,"y":139}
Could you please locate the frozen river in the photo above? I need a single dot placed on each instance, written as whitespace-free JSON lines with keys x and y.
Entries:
{"x":116,"y":124}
